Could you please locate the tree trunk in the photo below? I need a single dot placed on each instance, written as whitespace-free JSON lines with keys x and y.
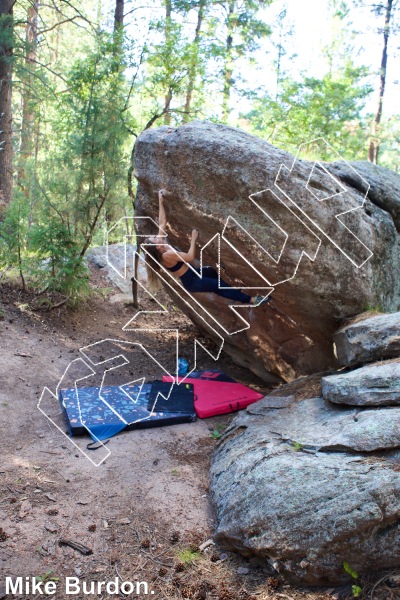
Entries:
{"x":119,"y":15}
{"x":374,"y":143}
{"x":168,"y":96}
{"x":193,"y":68}
{"x":135,"y":290}
{"x":228,"y":68}
{"x":118,"y":34}
{"x":28,"y":117}
{"x":6,"y":52}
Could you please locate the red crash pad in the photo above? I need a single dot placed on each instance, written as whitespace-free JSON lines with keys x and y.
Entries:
{"x":217,"y":393}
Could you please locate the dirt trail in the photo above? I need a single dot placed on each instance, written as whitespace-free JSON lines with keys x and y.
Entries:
{"x":145,"y":510}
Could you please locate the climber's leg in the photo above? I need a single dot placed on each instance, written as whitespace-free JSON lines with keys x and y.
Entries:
{"x":210,"y":284}
{"x":209,"y":272}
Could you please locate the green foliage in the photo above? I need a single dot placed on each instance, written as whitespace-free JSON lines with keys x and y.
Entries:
{"x":13,"y":235}
{"x":389,"y":135}
{"x":188,"y":556}
{"x":91,"y":161}
{"x":297,"y":446}
{"x":242,"y":31}
{"x":58,"y":264}
{"x":349,"y":570}
{"x":47,"y":577}
{"x":81,"y":92}
{"x":215,"y":434}
{"x":13,"y":231}
{"x":329,"y":107}
{"x":7,"y":40}
{"x":356,"y":590}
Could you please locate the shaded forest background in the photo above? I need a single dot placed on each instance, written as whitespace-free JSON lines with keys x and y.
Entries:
{"x":81,"y":81}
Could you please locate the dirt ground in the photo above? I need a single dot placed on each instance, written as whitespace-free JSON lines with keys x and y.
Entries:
{"x":144,"y":512}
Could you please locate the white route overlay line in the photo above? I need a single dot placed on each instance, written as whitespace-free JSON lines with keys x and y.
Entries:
{"x":56,"y":398}
{"x":142,"y":379}
{"x":283,"y":167}
{"x":303,"y":253}
{"x":217,"y":237}
{"x":123,"y":219}
{"x":164,"y":271}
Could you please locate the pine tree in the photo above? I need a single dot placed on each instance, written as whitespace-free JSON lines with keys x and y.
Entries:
{"x":6,"y":67}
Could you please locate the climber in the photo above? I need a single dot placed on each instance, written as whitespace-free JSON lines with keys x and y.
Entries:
{"x":177,"y":263}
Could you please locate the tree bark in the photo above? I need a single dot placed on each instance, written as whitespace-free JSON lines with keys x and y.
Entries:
{"x":6,"y":55}
{"x":227,"y":75}
{"x":119,"y":14}
{"x":193,"y":68}
{"x":168,"y":96}
{"x":374,"y":143}
{"x":27,"y":144}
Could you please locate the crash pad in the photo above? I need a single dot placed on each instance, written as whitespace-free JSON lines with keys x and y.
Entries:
{"x":180,"y":400}
{"x":216,"y":393}
{"x":104,"y":412}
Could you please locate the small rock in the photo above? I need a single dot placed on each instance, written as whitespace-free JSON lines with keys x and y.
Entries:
{"x":393,"y":581}
{"x":243,"y":571}
{"x":48,"y":547}
{"x":205,"y":545}
{"x":121,"y":299}
{"x":51,"y":527}
{"x":51,"y":497}
{"x":26,"y":507}
{"x":123,"y":521}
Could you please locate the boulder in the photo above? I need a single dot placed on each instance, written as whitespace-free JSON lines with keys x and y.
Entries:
{"x":376,"y":384}
{"x":305,"y":486}
{"x":384,"y":184}
{"x":368,"y":339}
{"x":275,"y":220}
{"x":116,"y":262}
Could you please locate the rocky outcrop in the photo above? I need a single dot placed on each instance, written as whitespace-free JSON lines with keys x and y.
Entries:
{"x":369,"y":339}
{"x":309,"y":477}
{"x":286,"y":237}
{"x":384,"y":184}
{"x":373,"y":385}
{"x":307,"y":485}
{"x":116,"y":261}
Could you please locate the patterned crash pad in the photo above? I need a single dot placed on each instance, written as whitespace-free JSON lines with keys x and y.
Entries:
{"x":104,"y":412}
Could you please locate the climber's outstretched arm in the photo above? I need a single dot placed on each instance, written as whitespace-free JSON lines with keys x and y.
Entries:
{"x":190,"y":255}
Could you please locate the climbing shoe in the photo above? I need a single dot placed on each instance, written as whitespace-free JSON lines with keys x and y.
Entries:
{"x":259,"y":300}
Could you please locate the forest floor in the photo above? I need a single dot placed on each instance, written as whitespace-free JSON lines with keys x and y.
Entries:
{"x":146,"y":509}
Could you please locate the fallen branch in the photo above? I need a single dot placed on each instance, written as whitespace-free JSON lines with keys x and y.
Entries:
{"x":51,"y":306}
{"x":76,"y":546}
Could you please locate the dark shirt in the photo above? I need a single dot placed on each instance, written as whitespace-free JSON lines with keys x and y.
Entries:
{"x":176,"y":267}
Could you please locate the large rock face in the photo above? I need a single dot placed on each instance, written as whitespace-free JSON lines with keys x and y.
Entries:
{"x":321,"y":269}
{"x":308,"y":485}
